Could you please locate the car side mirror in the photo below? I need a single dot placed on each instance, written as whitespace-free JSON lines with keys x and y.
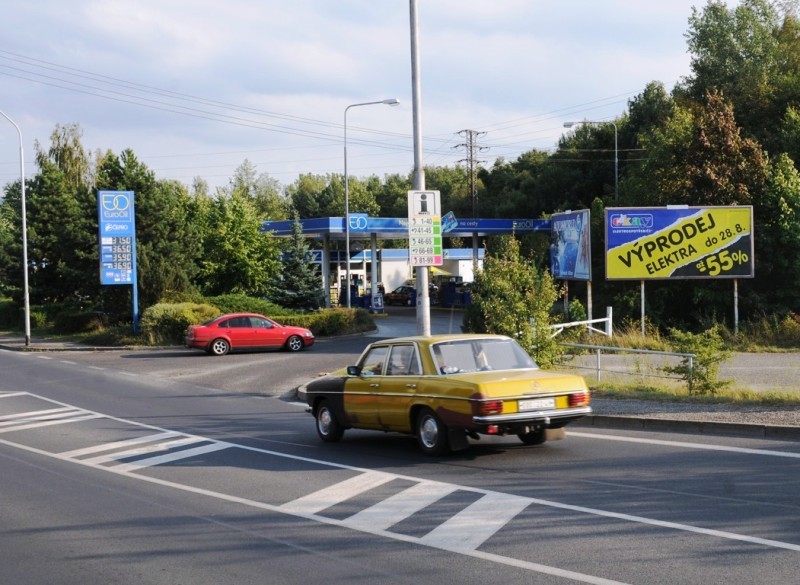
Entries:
{"x":353,"y":371}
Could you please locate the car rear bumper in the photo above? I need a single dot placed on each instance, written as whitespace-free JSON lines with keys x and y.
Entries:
{"x":533,"y":417}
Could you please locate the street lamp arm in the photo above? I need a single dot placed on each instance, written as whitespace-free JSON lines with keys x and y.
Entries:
{"x":388,"y":102}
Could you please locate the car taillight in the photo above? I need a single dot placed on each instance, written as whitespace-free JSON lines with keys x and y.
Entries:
{"x":490,"y":407}
{"x":579,"y":399}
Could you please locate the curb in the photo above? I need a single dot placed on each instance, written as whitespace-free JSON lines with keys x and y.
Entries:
{"x":686,"y":426}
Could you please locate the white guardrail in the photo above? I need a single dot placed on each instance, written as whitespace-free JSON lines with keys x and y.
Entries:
{"x":599,"y":349}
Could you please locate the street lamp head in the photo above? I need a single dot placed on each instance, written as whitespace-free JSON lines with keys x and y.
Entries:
{"x":391,"y":102}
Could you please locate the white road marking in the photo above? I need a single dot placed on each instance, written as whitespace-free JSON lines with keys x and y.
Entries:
{"x":163,"y":446}
{"x":476,"y":523}
{"x":36,"y":425}
{"x":170,"y":457}
{"x":337,"y":493}
{"x":12,"y":394}
{"x":118,"y":444}
{"x":687,"y":445}
{"x":400,"y":506}
{"x":34,"y":413}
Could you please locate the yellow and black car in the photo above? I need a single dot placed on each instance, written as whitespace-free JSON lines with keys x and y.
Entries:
{"x":444,"y":389}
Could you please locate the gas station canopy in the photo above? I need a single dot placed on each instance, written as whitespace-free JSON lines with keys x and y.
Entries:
{"x":364,"y":227}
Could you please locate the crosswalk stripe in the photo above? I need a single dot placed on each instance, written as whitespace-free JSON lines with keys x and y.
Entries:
{"x":35,"y":413}
{"x":48,"y":423}
{"x":42,"y":415}
{"x":170,"y":457}
{"x":118,"y":444}
{"x":163,"y":446}
{"x":400,"y":506}
{"x":471,"y":527}
{"x":339,"y":492}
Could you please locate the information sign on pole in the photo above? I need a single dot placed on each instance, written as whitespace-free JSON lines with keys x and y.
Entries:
{"x":424,"y":228}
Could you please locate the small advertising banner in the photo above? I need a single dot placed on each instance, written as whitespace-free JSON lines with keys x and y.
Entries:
{"x":570,"y":246}
{"x":650,"y":243}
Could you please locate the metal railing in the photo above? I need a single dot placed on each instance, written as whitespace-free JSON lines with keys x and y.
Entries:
{"x":598,"y":349}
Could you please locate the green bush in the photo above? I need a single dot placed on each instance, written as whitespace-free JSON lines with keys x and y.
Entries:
{"x":329,"y":322}
{"x":166,"y":324}
{"x":709,"y":351}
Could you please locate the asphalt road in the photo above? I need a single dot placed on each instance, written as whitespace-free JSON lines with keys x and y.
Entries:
{"x":174,"y":467}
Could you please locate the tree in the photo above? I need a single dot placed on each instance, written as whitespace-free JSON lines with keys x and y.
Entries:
{"x":237,"y":257}
{"x":513,"y":297}
{"x":62,"y":223}
{"x":298,"y":286}
{"x":168,"y":244}
{"x":700,"y":159}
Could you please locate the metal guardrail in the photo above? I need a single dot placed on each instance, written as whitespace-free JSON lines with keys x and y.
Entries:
{"x":598,"y":349}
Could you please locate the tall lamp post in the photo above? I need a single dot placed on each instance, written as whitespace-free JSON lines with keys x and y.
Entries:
{"x":616,"y":150}
{"x":388,"y":102}
{"x":24,"y":234}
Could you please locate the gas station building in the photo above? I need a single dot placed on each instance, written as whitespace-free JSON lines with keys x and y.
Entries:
{"x":390,"y":267}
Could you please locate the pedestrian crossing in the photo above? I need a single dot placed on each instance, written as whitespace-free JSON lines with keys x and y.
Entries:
{"x":464,"y":528}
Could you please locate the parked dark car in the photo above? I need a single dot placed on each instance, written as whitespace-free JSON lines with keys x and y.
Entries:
{"x":402,"y":295}
{"x":246,"y":331}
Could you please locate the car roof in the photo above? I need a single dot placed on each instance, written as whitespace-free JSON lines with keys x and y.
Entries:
{"x":431,"y":339}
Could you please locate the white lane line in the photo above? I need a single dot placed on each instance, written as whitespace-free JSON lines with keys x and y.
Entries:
{"x":163,"y":446}
{"x":476,"y":523}
{"x":36,"y":425}
{"x":12,"y":394}
{"x":400,"y":506}
{"x":687,"y":445}
{"x":170,"y":457}
{"x":34,"y":413}
{"x":339,"y":492}
{"x":43,"y":357}
{"x":118,"y":445}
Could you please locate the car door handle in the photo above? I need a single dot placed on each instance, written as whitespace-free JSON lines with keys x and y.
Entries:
{"x":374,"y":385}
{"x":413,"y":386}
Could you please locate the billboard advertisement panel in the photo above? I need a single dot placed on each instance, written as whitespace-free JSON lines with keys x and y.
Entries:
{"x":570,"y":245}
{"x":651,"y":243}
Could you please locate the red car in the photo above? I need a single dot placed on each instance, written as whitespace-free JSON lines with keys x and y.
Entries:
{"x":248,"y":331}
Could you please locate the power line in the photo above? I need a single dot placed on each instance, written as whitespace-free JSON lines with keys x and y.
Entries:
{"x":472,"y":163}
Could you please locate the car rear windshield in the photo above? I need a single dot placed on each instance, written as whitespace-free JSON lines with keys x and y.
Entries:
{"x":476,"y":355}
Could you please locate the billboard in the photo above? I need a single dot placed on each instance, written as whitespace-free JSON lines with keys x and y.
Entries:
{"x":570,"y":245}
{"x":651,"y":243}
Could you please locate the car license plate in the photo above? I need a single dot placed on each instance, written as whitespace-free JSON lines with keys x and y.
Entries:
{"x":536,"y":404}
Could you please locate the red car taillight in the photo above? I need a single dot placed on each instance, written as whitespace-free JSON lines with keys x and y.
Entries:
{"x":579,"y":399}
{"x":490,"y":407}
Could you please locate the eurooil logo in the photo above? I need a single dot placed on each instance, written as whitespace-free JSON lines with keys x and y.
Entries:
{"x":632,"y":220}
{"x":116,"y":205}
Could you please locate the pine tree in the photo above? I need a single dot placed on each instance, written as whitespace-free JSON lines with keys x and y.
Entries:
{"x":299,"y":285}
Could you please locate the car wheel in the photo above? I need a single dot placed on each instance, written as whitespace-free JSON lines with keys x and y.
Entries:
{"x":536,"y":437}
{"x":328,"y":428}
{"x":219,"y":347}
{"x":294,"y":343}
{"x":431,"y":433}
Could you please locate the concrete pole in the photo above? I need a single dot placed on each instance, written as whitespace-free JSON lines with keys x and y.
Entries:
{"x":423,"y":298}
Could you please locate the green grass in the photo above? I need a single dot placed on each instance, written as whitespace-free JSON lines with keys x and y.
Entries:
{"x":675,"y":393}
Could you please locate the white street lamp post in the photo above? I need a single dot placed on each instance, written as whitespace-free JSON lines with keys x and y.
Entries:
{"x":616,"y":150}
{"x":388,"y":102}
{"x":24,"y":234}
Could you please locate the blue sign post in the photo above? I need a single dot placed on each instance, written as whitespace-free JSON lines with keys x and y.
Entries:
{"x":117,"y":226}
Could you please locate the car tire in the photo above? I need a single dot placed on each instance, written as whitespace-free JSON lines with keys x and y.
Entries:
{"x":536,"y":437}
{"x":219,"y":347}
{"x":294,"y":343}
{"x":431,"y":433}
{"x":328,"y":428}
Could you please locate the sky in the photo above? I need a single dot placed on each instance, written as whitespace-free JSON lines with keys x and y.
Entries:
{"x":196,"y":87}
